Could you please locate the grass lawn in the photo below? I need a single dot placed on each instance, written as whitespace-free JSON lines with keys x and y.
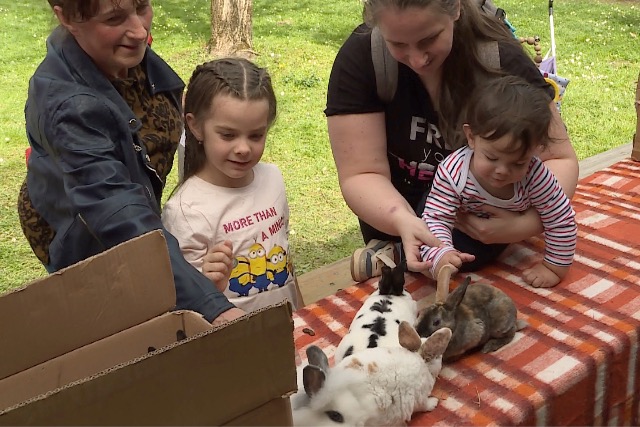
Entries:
{"x":597,"y":49}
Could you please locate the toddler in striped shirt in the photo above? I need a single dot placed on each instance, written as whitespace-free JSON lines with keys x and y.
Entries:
{"x":505,"y":125}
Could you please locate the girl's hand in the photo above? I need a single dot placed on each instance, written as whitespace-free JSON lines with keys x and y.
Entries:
{"x":227,"y":316}
{"x":218,"y":263}
{"x":500,"y":226}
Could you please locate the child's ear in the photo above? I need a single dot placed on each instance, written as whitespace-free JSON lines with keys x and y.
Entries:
{"x":194,"y":127}
{"x":471,"y":138}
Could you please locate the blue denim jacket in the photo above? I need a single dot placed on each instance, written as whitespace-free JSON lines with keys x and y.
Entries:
{"x":88,"y":175}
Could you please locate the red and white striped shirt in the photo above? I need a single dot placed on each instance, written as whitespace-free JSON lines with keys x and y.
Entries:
{"x":454,"y":187}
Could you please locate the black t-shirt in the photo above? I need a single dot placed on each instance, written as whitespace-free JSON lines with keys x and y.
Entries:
{"x":415,"y":146}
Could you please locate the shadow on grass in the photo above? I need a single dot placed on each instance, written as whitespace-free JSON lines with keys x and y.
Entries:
{"x":304,"y":15}
{"x":629,"y":19}
{"x":310,"y":255}
{"x":196,"y":16}
{"x":333,"y":28}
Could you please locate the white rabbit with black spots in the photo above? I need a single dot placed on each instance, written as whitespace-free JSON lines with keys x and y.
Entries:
{"x":376,"y":386}
{"x":376,"y":322}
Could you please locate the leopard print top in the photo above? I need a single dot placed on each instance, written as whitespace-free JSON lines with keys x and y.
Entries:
{"x":160,"y":133}
{"x":161,"y":121}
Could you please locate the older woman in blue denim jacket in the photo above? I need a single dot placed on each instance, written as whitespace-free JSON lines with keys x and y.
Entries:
{"x":103,"y":119}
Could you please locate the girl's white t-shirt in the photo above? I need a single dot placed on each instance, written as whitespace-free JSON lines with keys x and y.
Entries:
{"x":255,"y":219}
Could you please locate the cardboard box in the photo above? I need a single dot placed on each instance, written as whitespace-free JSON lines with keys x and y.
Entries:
{"x":85,"y":346}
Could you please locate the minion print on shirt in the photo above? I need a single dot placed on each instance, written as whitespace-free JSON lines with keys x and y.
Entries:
{"x":277,"y":265}
{"x":240,"y":279}
{"x":259,"y":272}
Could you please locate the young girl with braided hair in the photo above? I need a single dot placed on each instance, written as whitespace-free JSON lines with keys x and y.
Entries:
{"x":230,"y":212}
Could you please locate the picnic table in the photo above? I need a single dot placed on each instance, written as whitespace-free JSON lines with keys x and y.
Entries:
{"x":577,"y":362}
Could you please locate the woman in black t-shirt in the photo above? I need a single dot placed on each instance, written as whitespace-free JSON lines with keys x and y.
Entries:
{"x":386,"y":152}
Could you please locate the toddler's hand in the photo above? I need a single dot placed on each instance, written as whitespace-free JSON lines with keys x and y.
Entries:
{"x":544,"y":275}
{"x":454,"y":258}
{"x":218,"y":263}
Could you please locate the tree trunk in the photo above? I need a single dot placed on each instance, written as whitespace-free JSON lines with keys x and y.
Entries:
{"x":231,"y":28}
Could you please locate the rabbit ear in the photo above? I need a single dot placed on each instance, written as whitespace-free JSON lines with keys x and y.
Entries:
{"x":443,"y":279}
{"x":398,"y":278}
{"x":316,"y":357}
{"x":455,"y":298}
{"x":385,"y":284}
{"x":408,"y":337}
{"x":313,"y":379}
{"x":436,"y":344}
{"x":392,"y":280}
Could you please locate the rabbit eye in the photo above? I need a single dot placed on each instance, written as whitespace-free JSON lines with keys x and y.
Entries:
{"x":335,"y":416}
{"x":436,"y":322}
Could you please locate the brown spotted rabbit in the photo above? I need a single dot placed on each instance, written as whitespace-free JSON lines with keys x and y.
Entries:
{"x":480,"y":316}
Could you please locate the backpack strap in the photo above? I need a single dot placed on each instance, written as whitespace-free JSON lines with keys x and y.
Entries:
{"x":385,"y":67}
{"x":489,"y":7}
{"x":489,"y":54}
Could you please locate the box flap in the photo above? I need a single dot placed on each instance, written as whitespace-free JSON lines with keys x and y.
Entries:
{"x":210,"y":379}
{"x":276,"y":412}
{"x":96,"y":357}
{"x":121,"y":287}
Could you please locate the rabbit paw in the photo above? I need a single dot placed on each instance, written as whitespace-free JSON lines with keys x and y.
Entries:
{"x":432,"y":402}
{"x":496,"y":343}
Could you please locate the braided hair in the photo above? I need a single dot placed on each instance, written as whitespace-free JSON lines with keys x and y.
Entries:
{"x":237,"y":77}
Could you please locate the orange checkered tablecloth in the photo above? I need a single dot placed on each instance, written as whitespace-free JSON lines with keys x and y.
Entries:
{"x":577,"y":361}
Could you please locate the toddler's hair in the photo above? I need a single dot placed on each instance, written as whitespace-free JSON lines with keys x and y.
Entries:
{"x":237,"y":77}
{"x":510,"y":105}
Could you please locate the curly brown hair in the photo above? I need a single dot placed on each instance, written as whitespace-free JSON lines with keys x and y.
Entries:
{"x":509,"y":105}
